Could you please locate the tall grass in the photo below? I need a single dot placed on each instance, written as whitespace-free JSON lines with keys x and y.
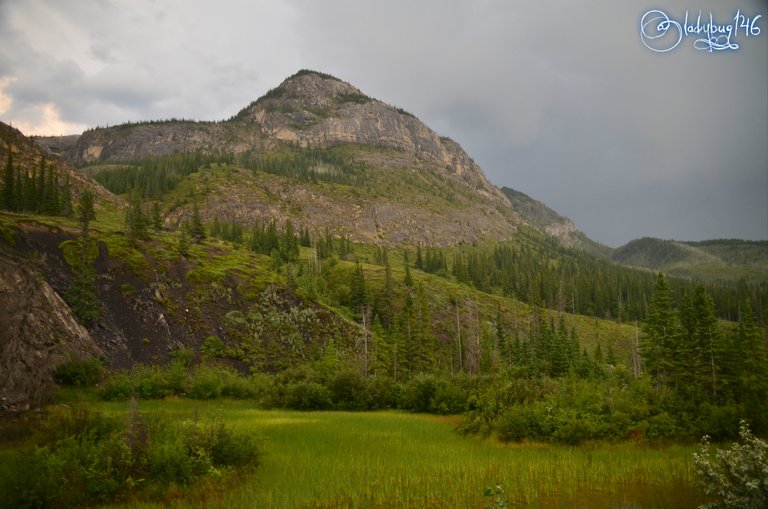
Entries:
{"x":392,"y":460}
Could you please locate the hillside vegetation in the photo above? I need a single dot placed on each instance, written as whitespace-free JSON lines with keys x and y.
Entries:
{"x":322,"y":250}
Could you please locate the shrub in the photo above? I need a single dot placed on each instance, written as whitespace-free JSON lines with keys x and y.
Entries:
{"x":77,"y":373}
{"x":85,"y":458}
{"x":418,"y":393}
{"x":381,"y":392}
{"x":737,"y":476}
{"x":348,"y":390}
{"x":307,"y":396}
{"x":527,"y":422}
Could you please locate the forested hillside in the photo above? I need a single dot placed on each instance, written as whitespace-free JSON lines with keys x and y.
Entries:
{"x":337,"y":262}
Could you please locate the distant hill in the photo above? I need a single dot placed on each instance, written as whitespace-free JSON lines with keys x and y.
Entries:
{"x":721,"y":259}
{"x":553,"y":223}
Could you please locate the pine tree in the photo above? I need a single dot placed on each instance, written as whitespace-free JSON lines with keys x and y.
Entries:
{"x":30,"y":198}
{"x":135,"y":219}
{"x":662,"y":335}
{"x":358,"y":294}
{"x":289,"y":243}
{"x":9,"y":188}
{"x":81,"y":295}
{"x":196,"y":229}
{"x":419,"y":259}
{"x":385,"y":299}
{"x":41,"y":187}
{"x":66,"y":198}
{"x":708,"y":343}
{"x":157,"y":218}
{"x":51,"y":194}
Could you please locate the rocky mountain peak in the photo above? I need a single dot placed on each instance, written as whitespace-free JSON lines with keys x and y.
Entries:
{"x":316,"y":88}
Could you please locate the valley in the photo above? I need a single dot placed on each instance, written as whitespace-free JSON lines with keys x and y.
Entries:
{"x":324,"y":269}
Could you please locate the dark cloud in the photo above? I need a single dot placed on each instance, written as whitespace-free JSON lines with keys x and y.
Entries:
{"x":558,"y":99}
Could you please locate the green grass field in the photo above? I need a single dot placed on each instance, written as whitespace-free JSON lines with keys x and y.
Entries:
{"x":392,"y":460}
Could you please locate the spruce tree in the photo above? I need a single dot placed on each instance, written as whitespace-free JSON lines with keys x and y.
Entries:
{"x":9,"y":189}
{"x":157,"y":218}
{"x":661,"y":335}
{"x":710,"y":350}
{"x":358,"y":295}
{"x":51,"y":193}
{"x":66,"y":198}
{"x":81,"y":295}
{"x":135,"y":219}
{"x":196,"y":229}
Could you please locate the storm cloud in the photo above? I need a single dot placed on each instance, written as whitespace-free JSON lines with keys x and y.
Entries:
{"x":560,"y":100}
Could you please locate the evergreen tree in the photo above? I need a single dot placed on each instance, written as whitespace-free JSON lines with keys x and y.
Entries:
{"x":358,"y":292}
{"x":66,"y":198}
{"x":662,"y":335}
{"x":157,"y":218}
{"x":708,"y":343}
{"x":85,"y":212}
{"x":42,"y":179}
{"x":9,"y":188}
{"x":30,"y":199}
{"x":386,"y":297}
{"x":81,"y":295}
{"x":196,"y":229}
{"x":408,"y":279}
{"x":51,"y":193}
{"x":419,"y":259}
{"x":135,"y":219}
{"x":289,"y":243}
{"x":183,"y":245}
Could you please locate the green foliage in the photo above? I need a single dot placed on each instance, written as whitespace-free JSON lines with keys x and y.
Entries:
{"x":737,"y":476}
{"x":79,"y":373}
{"x":154,"y":177}
{"x":136,"y":220}
{"x":25,"y":191}
{"x":181,"y":378}
{"x":85,"y":458}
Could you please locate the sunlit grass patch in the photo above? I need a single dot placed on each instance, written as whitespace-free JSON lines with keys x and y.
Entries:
{"x":392,"y":459}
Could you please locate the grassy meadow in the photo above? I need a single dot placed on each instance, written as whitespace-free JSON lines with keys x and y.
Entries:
{"x":391,"y":459}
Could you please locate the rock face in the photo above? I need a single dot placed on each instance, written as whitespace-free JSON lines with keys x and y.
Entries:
{"x":552,"y":223}
{"x":37,"y":333}
{"x":317,"y":110}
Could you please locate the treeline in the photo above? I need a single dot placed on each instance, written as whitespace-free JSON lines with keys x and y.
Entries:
{"x":153,"y":177}
{"x":307,"y":165}
{"x":694,"y":377}
{"x":41,"y":190}
{"x":688,"y":353}
{"x":548,"y":275}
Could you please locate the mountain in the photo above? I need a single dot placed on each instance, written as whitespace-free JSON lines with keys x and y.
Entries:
{"x":386,"y":176}
{"x":332,"y":220}
{"x":553,"y":223}
{"x":723,"y":259}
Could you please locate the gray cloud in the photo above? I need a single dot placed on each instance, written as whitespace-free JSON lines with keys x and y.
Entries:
{"x":558,"y":99}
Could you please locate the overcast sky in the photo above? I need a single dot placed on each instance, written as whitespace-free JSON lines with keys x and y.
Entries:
{"x":560,"y":100}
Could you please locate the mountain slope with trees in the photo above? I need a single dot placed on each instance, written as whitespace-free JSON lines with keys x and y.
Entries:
{"x":328,"y":240}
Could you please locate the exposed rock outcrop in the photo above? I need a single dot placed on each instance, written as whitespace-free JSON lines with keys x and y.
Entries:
{"x":37,"y":333}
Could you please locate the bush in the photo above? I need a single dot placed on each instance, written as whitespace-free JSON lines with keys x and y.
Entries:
{"x":737,"y":476}
{"x":85,"y":373}
{"x":307,"y":396}
{"x":348,"y":390}
{"x":527,"y":422}
{"x":85,"y":458}
{"x":382,"y":392}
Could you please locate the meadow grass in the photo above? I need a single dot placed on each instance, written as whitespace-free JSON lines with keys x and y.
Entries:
{"x":393,"y":460}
